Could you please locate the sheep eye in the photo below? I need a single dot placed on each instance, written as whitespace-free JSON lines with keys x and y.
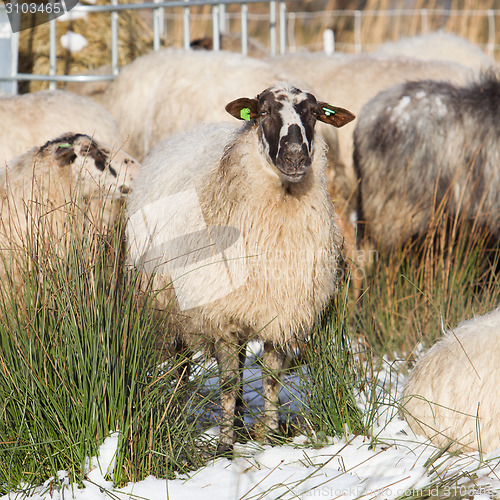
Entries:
{"x":264,"y":112}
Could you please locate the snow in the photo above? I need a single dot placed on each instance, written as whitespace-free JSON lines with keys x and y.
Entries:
{"x":343,"y":468}
{"x":74,"y":42}
{"x":400,"y":115}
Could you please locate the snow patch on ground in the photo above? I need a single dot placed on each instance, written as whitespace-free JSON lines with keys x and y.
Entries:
{"x":390,"y":466}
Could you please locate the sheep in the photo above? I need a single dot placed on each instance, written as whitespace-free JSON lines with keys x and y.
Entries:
{"x":41,"y":188}
{"x":451,"y":394}
{"x":32,"y":119}
{"x":172,"y":90}
{"x":439,"y":45}
{"x":428,"y":144}
{"x":257,"y":197}
{"x":355,"y":79}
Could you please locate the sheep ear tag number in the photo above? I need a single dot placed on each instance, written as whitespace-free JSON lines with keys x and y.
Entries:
{"x":328,"y":112}
{"x":245,"y":114}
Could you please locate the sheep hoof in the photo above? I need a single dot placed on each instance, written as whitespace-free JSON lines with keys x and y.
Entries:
{"x":224,"y":450}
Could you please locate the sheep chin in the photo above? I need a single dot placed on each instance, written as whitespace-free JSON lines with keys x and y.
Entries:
{"x":291,"y":174}
{"x":294,"y":178}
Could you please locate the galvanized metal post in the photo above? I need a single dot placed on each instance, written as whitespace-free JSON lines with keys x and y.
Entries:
{"x":272,"y":27}
{"x":244,"y":29}
{"x":329,"y":42}
{"x":222,"y":17}
{"x":114,"y":39}
{"x":8,"y":54}
{"x":282,"y":13}
{"x":185,"y":27}
{"x":158,"y":25}
{"x":52,"y":50}
{"x":215,"y":28}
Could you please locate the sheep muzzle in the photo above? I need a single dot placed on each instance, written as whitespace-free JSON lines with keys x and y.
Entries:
{"x":293,"y":161}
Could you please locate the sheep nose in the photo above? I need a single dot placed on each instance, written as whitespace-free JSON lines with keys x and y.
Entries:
{"x":295,"y":159}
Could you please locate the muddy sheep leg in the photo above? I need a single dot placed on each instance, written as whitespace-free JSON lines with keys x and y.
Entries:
{"x":227,"y":355}
{"x":272,"y":365}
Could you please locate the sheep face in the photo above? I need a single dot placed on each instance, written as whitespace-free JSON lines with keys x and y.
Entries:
{"x":97,"y":169}
{"x":286,"y":117}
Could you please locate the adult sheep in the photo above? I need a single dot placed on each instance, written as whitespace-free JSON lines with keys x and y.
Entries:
{"x":439,"y":45}
{"x":355,"y":79}
{"x":32,"y":119}
{"x":428,"y":144}
{"x":451,"y":394}
{"x":238,"y":231}
{"x":174,"y":90}
{"x":41,"y":191}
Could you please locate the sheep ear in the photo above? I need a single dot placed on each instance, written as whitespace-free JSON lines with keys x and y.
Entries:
{"x":332,"y":115}
{"x":244,"y":108}
{"x":63,"y":152}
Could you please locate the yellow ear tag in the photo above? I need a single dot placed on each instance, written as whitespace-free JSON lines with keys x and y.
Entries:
{"x":245,"y":114}
{"x":328,"y":112}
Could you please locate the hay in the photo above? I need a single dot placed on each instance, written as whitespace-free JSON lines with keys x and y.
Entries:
{"x":135,"y":37}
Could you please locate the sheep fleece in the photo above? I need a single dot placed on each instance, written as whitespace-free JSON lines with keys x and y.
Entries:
{"x":454,"y":383}
{"x":290,"y":243}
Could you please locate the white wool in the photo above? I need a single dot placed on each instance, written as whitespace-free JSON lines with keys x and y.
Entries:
{"x":452,"y":393}
{"x":30,"y":120}
{"x":277,"y":302}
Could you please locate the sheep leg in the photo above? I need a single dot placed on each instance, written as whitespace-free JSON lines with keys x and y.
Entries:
{"x":240,"y":402}
{"x":272,"y":365}
{"x":228,"y":361}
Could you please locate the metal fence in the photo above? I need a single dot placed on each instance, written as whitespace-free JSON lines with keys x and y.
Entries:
{"x":281,"y":38}
{"x":277,"y":33}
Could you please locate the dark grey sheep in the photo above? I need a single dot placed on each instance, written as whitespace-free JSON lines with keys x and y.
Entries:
{"x":426,"y":144}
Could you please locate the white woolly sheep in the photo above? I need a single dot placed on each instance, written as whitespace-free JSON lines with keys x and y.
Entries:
{"x":428,"y":144}
{"x":439,"y":45}
{"x":72,"y":174}
{"x":451,"y":395}
{"x":171,"y":91}
{"x":236,"y":226}
{"x":355,"y":79}
{"x":32,"y":119}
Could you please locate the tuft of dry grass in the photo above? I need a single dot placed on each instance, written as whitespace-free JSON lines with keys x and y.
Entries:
{"x":412,"y":293}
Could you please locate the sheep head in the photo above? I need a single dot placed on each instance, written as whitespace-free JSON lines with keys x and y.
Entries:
{"x":285,"y":117}
{"x":95,"y":166}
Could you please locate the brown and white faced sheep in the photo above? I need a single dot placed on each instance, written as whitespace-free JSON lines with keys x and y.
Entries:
{"x":30,"y":120}
{"x":171,"y":91}
{"x":72,"y":178}
{"x":236,"y":230}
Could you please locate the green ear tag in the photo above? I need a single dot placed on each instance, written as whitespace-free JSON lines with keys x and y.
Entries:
{"x":328,"y":112}
{"x":67,"y":145}
{"x":245,"y":114}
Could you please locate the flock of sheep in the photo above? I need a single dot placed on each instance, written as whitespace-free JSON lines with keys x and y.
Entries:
{"x":230,"y":215}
